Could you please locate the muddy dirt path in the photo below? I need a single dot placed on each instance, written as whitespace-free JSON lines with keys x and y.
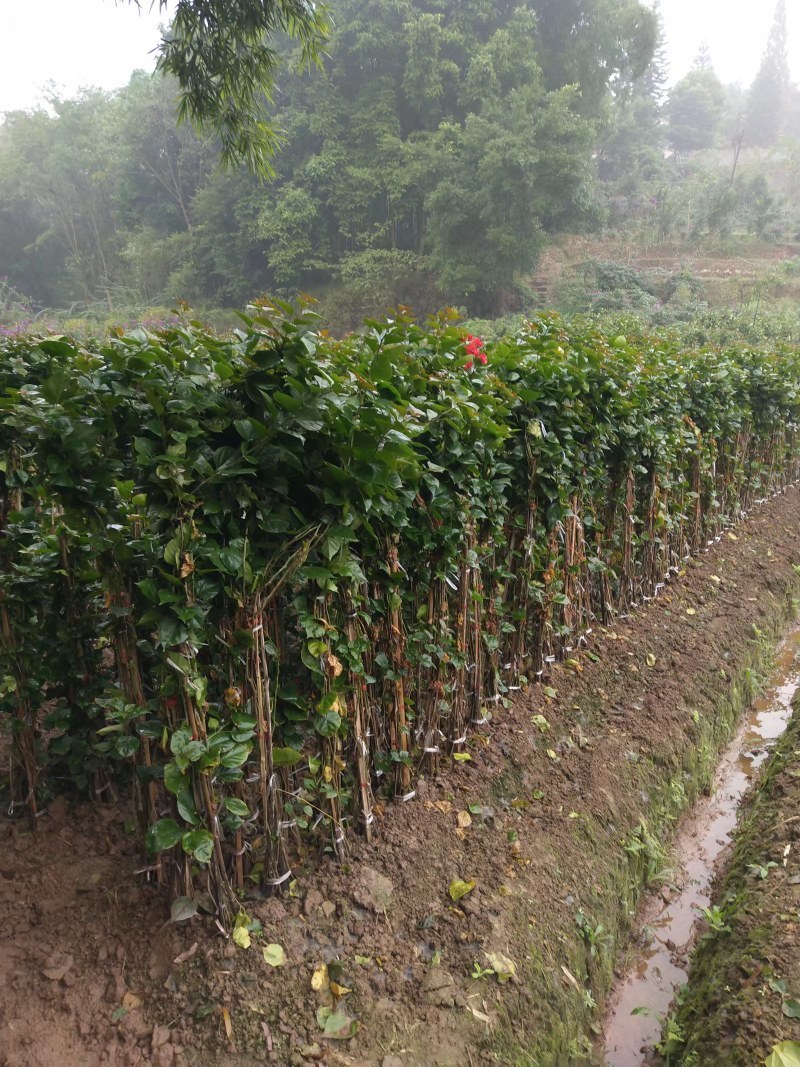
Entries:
{"x":546,"y":818}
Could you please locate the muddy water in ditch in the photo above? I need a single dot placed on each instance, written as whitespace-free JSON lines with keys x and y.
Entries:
{"x":669,"y":917}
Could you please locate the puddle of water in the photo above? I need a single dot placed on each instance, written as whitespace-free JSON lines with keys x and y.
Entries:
{"x":668,"y":920}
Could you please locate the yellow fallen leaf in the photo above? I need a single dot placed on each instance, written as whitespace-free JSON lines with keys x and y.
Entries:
{"x":552,"y":754}
{"x":274,"y":955}
{"x":131,"y":1002}
{"x":651,"y":659}
{"x":715,"y":578}
{"x":461,"y":757}
{"x":226,"y":1018}
{"x":319,"y":979}
{"x":339,"y":990}
{"x":459,"y":889}
{"x":443,"y":806}
{"x":464,"y":819}
{"x":503,"y":967}
{"x":691,"y":611}
{"x":241,"y":937}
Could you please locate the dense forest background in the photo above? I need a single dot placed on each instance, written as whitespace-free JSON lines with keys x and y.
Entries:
{"x":442,"y":147}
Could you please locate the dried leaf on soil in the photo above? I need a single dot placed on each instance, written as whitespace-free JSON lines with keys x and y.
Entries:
{"x":187,"y":955}
{"x":479,"y":1015}
{"x":319,"y":979}
{"x":459,"y":889}
{"x":503,"y":967}
{"x":183,"y":908}
{"x":226,"y":1019}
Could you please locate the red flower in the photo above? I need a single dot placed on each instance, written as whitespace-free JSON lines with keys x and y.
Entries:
{"x":475,"y":348}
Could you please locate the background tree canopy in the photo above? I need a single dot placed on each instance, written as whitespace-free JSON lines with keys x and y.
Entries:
{"x":438,"y":146}
{"x":428,"y":160}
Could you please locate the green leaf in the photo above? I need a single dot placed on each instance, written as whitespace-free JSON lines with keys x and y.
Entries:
{"x":174,"y":781}
{"x":791,"y":1009}
{"x":186,"y":806}
{"x":126,"y":746}
{"x":171,"y":631}
{"x":328,"y":724}
{"x":172,"y":553}
{"x":162,"y":835}
{"x":237,"y":807}
{"x":199,"y":844}
{"x":336,"y":1025}
{"x":382,"y":369}
{"x":285,"y":757}
{"x":235,"y":755}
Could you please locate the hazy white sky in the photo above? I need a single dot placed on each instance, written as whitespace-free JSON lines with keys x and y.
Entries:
{"x":74,"y":43}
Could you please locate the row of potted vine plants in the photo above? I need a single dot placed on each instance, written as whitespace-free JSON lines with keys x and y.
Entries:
{"x":262,"y":582}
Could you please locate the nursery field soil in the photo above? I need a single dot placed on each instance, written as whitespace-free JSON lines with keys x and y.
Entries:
{"x":744,"y":991}
{"x":92,"y":973}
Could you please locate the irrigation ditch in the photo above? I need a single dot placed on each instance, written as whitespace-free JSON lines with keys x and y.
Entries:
{"x":690,"y":909}
{"x":741,"y":1004}
{"x":560,"y":828}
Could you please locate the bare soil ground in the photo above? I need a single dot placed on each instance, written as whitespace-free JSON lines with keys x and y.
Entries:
{"x":92,"y":974}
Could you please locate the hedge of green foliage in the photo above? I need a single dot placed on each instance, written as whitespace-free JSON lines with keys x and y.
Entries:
{"x":265,"y":581}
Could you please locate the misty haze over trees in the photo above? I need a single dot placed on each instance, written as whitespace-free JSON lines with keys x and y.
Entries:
{"x":440,"y":148}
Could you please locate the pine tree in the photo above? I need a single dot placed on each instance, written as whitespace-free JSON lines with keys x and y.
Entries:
{"x":703,"y":60}
{"x":654,"y":82}
{"x":769,"y":94}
